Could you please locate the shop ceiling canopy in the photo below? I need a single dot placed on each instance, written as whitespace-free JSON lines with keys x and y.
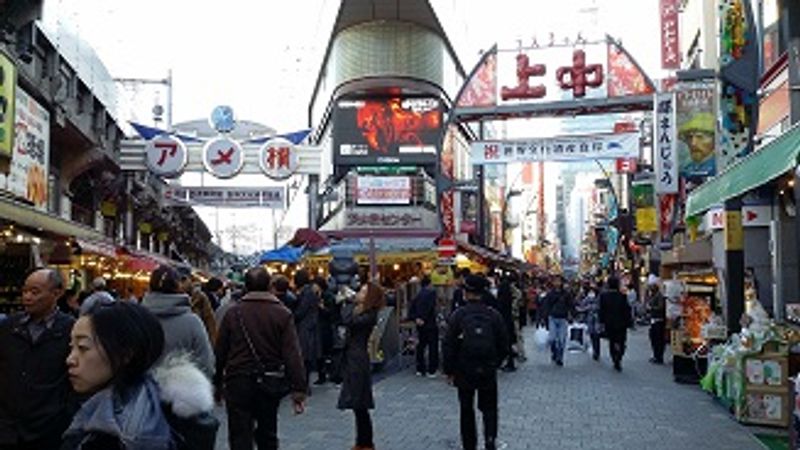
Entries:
{"x":760,"y":167}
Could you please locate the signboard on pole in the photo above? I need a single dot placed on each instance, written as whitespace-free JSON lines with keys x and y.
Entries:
{"x":567,"y":148}
{"x":166,"y":156}
{"x":265,"y":197}
{"x":666,"y":156}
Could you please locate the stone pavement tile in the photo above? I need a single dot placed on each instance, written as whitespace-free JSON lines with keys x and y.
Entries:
{"x":583,"y":405}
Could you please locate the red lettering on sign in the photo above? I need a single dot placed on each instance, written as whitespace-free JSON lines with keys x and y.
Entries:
{"x":224,"y":157}
{"x":524,"y":72}
{"x":170,"y":148}
{"x":577,"y":76}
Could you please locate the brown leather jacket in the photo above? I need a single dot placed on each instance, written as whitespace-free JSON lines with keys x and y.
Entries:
{"x":272,"y":331}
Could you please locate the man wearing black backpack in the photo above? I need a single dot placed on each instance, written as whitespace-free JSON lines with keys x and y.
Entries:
{"x":475,"y":344}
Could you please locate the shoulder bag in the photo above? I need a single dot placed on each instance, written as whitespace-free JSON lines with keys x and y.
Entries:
{"x":271,"y":382}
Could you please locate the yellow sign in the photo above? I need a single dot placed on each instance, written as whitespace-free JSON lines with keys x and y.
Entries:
{"x":145,"y":228}
{"x":8,"y":81}
{"x":734,"y":233}
{"x":108,"y":209}
{"x":646,"y":220}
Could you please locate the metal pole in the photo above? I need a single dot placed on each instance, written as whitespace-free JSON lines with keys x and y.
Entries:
{"x":169,"y":100}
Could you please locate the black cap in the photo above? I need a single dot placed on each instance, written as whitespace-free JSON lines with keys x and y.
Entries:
{"x":474,"y":283}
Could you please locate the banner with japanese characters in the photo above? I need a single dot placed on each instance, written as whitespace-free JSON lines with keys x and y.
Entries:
{"x":670,"y":46}
{"x":383,"y":190}
{"x":666,"y":155}
{"x":567,"y":148}
{"x":28,"y":175}
{"x":265,"y":197}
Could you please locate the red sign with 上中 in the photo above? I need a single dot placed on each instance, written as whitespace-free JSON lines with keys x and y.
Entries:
{"x":670,"y":51}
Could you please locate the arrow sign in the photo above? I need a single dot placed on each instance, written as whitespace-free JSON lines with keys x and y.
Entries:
{"x":756,"y":216}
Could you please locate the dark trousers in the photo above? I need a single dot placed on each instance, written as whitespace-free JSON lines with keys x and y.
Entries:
{"x":363,"y":428}
{"x":595,"y":337}
{"x":616,"y":344}
{"x":487,"y":404}
{"x":658,"y":340}
{"x":252,"y":416}
{"x":428,"y":339}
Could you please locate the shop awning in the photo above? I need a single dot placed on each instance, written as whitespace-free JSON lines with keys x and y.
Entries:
{"x":30,"y":217}
{"x":100,"y":248}
{"x":285,"y":254}
{"x":762,"y":166}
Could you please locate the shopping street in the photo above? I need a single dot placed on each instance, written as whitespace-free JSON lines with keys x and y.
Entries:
{"x":583,"y":405}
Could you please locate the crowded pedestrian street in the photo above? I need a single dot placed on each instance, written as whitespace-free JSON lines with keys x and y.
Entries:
{"x":582,"y":405}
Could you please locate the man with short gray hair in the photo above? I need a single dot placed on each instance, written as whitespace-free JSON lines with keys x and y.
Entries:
{"x":35,"y":393}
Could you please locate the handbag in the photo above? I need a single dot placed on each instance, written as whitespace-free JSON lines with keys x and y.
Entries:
{"x":271,"y":382}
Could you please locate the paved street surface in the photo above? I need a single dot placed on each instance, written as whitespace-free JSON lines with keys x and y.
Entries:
{"x":583,"y":405}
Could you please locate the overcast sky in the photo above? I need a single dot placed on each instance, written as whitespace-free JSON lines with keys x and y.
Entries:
{"x":262,"y":57}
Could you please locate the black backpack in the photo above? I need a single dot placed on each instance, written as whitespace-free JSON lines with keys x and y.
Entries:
{"x":478,"y":348}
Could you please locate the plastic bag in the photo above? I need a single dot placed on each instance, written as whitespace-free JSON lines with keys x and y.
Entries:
{"x":541,"y":337}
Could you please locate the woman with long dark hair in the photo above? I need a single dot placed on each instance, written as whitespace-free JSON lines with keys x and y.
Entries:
{"x":132,"y":406}
{"x":360,"y":316}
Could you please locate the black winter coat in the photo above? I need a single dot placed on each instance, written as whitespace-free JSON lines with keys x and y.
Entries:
{"x":454,"y":363}
{"x":306,"y":318}
{"x":558,"y":304}
{"x":615,"y":312}
{"x":356,"y":390}
{"x":424,"y":307}
{"x":36,"y":399}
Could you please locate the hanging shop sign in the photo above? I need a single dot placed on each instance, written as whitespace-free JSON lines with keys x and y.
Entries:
{"x":714,"y":219}
{"x":567,"y":148}
{"x":166,"y":156}
{"x":626,"y":165}
{"x":387,"y":131}
{"x":756,"y":215}
{"x":670,"y":45}
{"x":664,"y":136}
{"x":694,"y":117}
{"x":644,"y":201}
{"x":8,"y":83}
{"x":667,"y":212}
{"x":28,"y":175}
{"x":383,"y":190}
{"x":278,"y":159}
{"x":223,"y":157}
{"x":734,"y":234}
{"x":266,"y":197}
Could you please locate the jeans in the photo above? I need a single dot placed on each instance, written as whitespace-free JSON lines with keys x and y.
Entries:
{"x":363,"y":428}
{"x":558,"y":338}
{"x":251,"y":415}
{"x":487,"y":404}
{"x":428,"y":338}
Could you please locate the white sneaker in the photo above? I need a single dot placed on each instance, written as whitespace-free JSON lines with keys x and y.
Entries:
{"x":432,"y":375}
{"x":420,"y":374}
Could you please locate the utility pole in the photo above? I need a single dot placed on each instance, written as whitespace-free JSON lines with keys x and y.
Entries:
{"x":157,"y":109}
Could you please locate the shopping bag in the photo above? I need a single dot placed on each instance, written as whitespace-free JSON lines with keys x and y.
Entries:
{"x":577,"y":337}
{"x":541,"y":337}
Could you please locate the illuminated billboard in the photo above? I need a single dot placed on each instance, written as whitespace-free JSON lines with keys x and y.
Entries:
{"x":387,"y":131}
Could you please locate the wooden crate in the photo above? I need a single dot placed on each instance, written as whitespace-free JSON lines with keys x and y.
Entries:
{"x":765,"y":406}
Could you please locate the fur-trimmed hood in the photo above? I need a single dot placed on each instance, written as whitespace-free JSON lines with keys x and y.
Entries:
{"x":183,"y":386}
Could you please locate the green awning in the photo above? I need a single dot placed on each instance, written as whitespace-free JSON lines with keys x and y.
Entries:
{"x":31,"y":217}
{"x":762,"y":166}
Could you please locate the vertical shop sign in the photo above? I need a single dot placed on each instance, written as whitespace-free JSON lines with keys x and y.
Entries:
{"x":670,"y":51}
{"x":30,"y":160}
{"x":694,"y":117}
{"x":734,"y":233}
{"x":7,"y":86}
{"x":666,"y":157}
{"x":666,"y":219}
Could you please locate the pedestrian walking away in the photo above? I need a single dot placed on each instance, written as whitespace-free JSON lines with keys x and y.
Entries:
{"x":423,"y":313}
{"x":183,"y":329}
{"x":199,"y":302}
{"x":258,"y":362}
{"x":360,"y":317}
{"x":306,"y":319}
{"x":36,"y":403}
{"x":615,"y":315}
{"x":131,"y":405}
{"x":474,"y":346}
